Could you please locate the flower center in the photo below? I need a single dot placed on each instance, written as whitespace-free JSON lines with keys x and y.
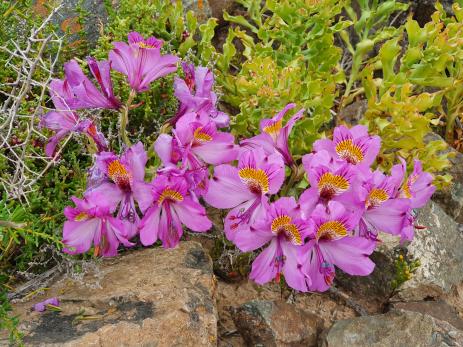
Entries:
{"x":200,"y":136}
{"x":349,"y":151}
{"x":283,"y":224}
{"x":119,"y":174}
{"x":256,"y":179}
{"x":81,"y":217}
{"x":406,"y":188}
{"x":171,"y":195}
{"x":376,"y":197}
{"x":148,"y":45}
{"x":274,"y":128}
{"x":331,"y":230}
{"x":330,"y":185}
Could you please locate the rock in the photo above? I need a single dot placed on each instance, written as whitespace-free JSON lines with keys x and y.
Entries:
{"x":437,"y":309}
{"x":219,"y":6}
{"x":372,"y":291}
{"x":150,"y":297}
{"x":439,"y":250}
{"x":201,"y":9}
{"x":423,"y":9}
{"x":67,"y":18}
{"x":393,"y":329}
{"x":352,"y":114}
{"x":451,"y":198}
{"x":276,"y":323}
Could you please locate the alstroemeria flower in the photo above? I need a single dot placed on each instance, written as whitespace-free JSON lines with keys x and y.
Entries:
{"x":172,"y":207}
{"x":353,"y":145}
{"x":64,"y":121}
{"x":245,"y":188}
{"x":196,"y":95}
{"x":124,"y":183}
{"x":42,"y":306}
{"x":332,"y":245}
{"x":92,"y":221}
{"x":329,"y":180}
{"x":84,"y":92}
{"x":284,"y":228}
{"x":418,"y":188}
{"x":202,"y":141}
{"x":383,"y":212}
{"x":141,"y":61}
{"x":274,"y":136}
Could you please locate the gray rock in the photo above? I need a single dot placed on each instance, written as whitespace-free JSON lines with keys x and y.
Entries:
{"x":353,"y":113}
{"x":437,"y":309}
{"x":373,"y":291}
{"x":393,"y":329}
{"x":439,"y":250}
{"x":275,"y":323}
{"x":150,"y":297}
{"x":451,"y":198}
{"x":67,"y":17}
{"x":201,"y":9}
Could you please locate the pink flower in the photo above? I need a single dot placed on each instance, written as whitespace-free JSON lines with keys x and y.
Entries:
{"x":64,"y":121}
{"x":91,"y":221}
{"x":42,"y":306}
{"x":418,"y":186}
{"x":284,"y":228}
{"x":329,"y":180}
{"x":383,"y":212}
{"x":196,"y":95}
{"x":194,"y":144}
{"x":353,"y":145}
{"x":141,"y":61}
{"x":245,"y":189}
{"x":332,"y":245}
{"x":198,"y":143}
{"x":274,"y":136}
{"x":172,"y":207}
{"x":84,"y":92}
{"x":123,"y":183}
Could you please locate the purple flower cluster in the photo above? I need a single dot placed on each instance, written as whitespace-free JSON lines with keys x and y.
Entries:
{"x":335,"y":222}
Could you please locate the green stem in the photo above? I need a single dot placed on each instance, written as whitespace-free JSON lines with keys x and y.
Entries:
{"x":125,"y":118}
{"x":292,"y":178}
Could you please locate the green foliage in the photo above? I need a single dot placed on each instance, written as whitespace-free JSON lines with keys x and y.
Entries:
{"x":289,"y":56}
{"x":420,"y":84}
{"x":370,"y":28}
{"x":7,"y":322}
{"x":434,"y":59}
{"x":404,"y":268}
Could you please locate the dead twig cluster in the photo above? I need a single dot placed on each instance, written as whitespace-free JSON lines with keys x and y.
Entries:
{"x":33,"y":62}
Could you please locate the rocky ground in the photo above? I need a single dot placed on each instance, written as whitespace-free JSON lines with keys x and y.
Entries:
{"x":156,"y":297}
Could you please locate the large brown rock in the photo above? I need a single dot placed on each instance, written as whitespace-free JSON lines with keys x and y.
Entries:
{"x":276,"y":323}
{"x":150,"y":297}
{"x":393,"y":329}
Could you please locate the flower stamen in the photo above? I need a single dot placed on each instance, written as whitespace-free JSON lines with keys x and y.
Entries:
{"x":170,"y":194}
{"x":119,"y":174}
{"x":283,"y":224}
{"x":349,"y":151}
{"x":330,"y":185}
{"x":256,"y":179}
{"x":376,"y":197}
{"x":331,"y":230}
